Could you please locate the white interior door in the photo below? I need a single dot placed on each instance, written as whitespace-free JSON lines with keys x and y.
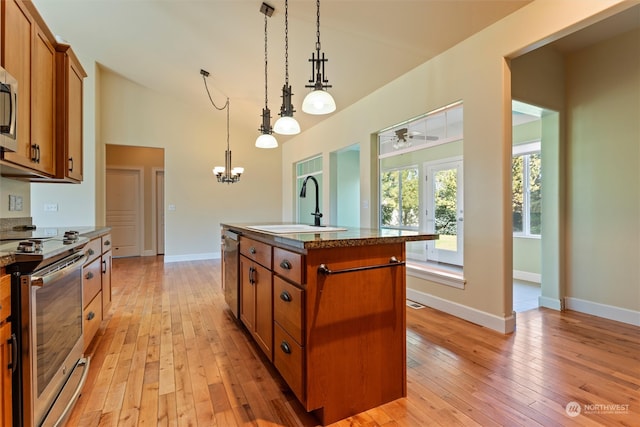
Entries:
{"x":444,"y":196}
{"x":124,"y":210}
{"x":160,"y":212}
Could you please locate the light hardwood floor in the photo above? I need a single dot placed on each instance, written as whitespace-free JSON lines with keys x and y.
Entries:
{"x":168,"y":354}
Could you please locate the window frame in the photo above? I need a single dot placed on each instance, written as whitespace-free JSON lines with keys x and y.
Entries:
{"x":525,"y":150}
{"x":399,"y":170}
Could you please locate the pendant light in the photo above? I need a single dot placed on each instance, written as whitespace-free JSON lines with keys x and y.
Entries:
{"x":266,"y":139}
{"x":225,"y":174}
{"x":286,"y":124}
{"x":319,"y":101}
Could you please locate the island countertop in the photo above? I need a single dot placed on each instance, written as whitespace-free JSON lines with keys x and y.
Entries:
{"x":334,"y":237}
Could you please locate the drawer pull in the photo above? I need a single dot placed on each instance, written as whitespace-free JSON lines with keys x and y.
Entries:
{"x":285,"y":347}
{"x":90,"y":252}
{"x":285,"y":264}
{"x":393,"y":262}
{"x":252,"y":250}
{"x":91,"y":315}
{"x":88,"y":276}
{"x":104,"y":266}
{"x":107,"y":243}
{"x":285,"y":296}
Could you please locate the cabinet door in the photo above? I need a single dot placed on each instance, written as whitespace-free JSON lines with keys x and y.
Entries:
{"x":5,"y":374}
{"x":106,"y":282}
{"x":247,"y":294}
{"x":43,"y":103}
{"x":263,"y":283}
{"x":17,"y":43}
{"x":74,"y":121}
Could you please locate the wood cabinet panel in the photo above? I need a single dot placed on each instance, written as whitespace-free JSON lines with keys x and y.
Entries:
{"x":6,"y":342}
{"x":256,"y":308}
{"x":288,"y":264}
{"x":92,"y":318}
{"x":91,"y":281}
{"x":288,"y":358}
{"x":30,"y":57}
{"x":107,"y":258}
{"x":288,"y":303}
{"x":93,"y":249}
{"x":256,"y":251}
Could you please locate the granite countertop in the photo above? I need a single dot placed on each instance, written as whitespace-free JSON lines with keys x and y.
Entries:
{"x":335,"y":237}
{"x":12,"y":238}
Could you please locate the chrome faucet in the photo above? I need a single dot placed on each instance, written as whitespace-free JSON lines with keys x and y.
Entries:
{"x":303,"y":193}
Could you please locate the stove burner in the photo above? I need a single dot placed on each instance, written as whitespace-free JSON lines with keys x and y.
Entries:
{"x":70,"y":237}
{"x":28,"y":246}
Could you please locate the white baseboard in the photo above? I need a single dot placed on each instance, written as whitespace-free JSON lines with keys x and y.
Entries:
{"x":191,"y":257}
{"x":552,"y":303}
{"x":502,"y":325}
{"x":527,"y":276}
{"x":610,"y":312}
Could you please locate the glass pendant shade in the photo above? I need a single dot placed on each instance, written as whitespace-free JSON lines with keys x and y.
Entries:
{"x":318,"y":102}
{"x":266,"y":140}
{"x":286,"y":125}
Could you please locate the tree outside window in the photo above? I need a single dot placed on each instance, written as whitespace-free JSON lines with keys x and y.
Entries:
{"x":400,"y":198}
{"x":526,"y":171}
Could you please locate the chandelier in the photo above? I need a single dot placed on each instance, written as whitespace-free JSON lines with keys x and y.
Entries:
{"x":319,"y":101}
{"x":225,"y":174}
{"x":266,"y":139}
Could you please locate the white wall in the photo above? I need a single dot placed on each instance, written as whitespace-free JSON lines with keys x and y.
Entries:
{"x":476,"y":72}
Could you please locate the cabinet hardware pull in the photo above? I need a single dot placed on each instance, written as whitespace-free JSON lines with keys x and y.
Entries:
{"x":107,"y":243}
{"x":104,"y":266}
{"x":285,"y":296}
{"x":91,"y":315}
{"x":252,"y":250}
{"x":252,"y":278}
{"x":90,"y":252}
{"x":14,"y":353}
{"x":89,"y":276}
{"x":285,"y":264}
{"x":285,"y":347}
{"x":71,"y":164}
{"x":393,"y":262}
{"x":34,"y":156}
{"x":37,"y":153}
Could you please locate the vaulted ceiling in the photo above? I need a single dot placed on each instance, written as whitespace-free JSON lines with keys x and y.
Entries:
{"x":163,"y":44}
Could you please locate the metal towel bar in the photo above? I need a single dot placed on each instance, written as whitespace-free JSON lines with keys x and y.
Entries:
{"x":393,"y":262}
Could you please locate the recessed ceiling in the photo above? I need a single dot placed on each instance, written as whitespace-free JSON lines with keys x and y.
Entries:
{"x":164,"y":44}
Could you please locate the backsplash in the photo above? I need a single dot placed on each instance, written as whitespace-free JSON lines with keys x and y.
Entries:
{"x":7,"y":224}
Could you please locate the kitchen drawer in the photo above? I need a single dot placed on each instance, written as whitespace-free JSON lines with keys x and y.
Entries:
{"x":288,"y":264}
{"x":5,"y":296}
{"x":256,"y":251}
{"x":92,"y":316}
{"x":106,"y":243}
{"x":288,"y":359}
{"x":288,"y":301}
{"x":93,"y":249}
{"x":91,"y":281}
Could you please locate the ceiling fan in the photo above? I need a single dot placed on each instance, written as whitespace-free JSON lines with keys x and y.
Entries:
{"x":402,"y":138}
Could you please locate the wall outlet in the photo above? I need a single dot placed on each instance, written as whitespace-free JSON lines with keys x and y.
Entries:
{"x":172,"y":207}
{"x":51,"y":207}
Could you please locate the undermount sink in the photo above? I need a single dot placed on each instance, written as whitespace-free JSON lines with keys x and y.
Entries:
{"x":294,"y":228}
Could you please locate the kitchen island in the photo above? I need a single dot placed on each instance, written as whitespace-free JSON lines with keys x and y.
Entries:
{"x":327,"y":307}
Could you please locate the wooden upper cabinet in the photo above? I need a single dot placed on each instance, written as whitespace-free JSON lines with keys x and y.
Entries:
{"x":70,"y":76}
{"x":49,"y":98}
{"x":29,"y":55}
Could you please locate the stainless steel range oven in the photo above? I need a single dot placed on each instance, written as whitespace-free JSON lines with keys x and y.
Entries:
{"x":47,"y":282}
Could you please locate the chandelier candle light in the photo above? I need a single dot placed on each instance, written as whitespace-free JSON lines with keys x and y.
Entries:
{"x":286,"y":124}
{"x":266,"y":139}
{"x":225,"y":174}
{"x":319,"y":101}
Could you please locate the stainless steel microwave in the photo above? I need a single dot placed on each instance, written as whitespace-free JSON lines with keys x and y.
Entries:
{"x":8,"y":111}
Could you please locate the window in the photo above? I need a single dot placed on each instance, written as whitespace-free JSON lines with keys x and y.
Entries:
{"x":399,"y":199}
{"x":526,"y":172}
{"x":421,"y":185}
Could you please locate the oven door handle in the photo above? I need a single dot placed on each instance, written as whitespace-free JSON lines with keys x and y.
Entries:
{"x":73,"y":264}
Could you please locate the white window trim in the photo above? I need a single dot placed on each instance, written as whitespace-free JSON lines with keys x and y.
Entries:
{"x":524,"y":150}
{"x":442,"y":277}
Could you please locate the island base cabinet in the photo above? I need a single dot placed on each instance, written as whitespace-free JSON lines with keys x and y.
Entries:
{"x":256,"y":308}
{"x":355,"y":330}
